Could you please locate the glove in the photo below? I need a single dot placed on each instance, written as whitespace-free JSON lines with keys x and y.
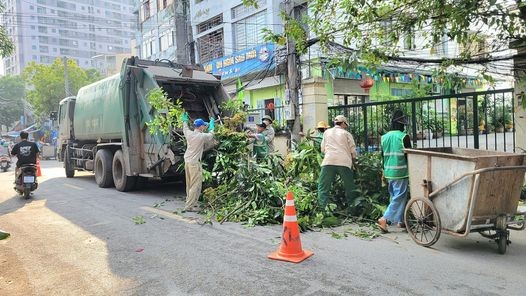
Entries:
{"x":212,"y":124}
{"x":185,"y":117}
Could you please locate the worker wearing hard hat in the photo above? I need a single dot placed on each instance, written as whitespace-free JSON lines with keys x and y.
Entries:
{"x":269,"y":133}
{"x":196,"y":143}
{"x":340,"y":153}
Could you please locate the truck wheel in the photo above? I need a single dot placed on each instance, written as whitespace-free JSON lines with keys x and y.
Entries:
{"x":68,"y":167}
{"x":103,"y":171}
{"x":122,"y":182}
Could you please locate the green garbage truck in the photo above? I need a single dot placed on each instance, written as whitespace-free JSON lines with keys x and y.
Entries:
{"x":103,"y":129}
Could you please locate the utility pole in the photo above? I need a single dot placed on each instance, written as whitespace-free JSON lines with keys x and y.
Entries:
{"x":66,"y":76}
{"x":181,"y":29}
{"x":293,"y":81}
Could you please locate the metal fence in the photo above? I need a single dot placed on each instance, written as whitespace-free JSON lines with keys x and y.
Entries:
{"x":480,"y":120}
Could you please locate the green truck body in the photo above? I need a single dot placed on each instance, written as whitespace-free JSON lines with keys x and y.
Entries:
{"x":104,"y":128}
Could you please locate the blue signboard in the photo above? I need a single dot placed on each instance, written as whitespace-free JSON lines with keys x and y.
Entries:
{"x":252,"y":59}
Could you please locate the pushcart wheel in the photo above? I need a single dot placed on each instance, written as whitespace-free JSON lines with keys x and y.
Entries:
{"x":502,"y":241}
{"x":422,"y":221}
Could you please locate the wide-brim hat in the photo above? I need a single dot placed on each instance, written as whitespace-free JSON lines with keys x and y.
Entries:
{"x":267,"y":118}
{"x":322,"y":124}
{"x":263,"y":125}
{"x":341,"y":118}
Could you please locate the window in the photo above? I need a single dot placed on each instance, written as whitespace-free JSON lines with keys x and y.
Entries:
{"x":211,"y":46}
{"x":42,"y":29}
{"x":248,"y":32}
{"x":164,"y":41}
{"x":441,"y":48}
{"x":162,"y":4}
{"x":401,"y":92}
{"x":41,"y":10}
{"x":242,"y":10}
{"x":146,"y":10}
{"x":209,"y":24}
{"x":409,"y":40}
{"x":44,"y":49}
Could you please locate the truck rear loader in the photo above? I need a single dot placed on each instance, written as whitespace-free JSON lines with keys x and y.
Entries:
{"x":104,"y":128}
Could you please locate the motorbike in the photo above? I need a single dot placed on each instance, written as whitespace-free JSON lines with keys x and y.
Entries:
{"x":27,"y":181}
{"x":5,"y":162}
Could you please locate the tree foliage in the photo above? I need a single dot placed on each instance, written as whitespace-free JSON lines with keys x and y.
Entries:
{"x":46,"y":84}
{"x":12,"y":94}
{"x":375,"y":27}
{"x":6,"y":44}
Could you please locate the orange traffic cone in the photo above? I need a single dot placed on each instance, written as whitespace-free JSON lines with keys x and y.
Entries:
{"x":39,"y":173}
{"x":290,"y":249}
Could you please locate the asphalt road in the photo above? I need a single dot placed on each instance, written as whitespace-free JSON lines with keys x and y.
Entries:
{"x":74,"y":238}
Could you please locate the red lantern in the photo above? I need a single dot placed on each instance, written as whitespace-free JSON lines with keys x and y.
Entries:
{"x":270,"y":106}
{"x":366,"y":84}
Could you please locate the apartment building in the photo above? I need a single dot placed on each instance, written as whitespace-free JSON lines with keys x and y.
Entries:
{"x":85,"y":31}
{"x":155,"y":34}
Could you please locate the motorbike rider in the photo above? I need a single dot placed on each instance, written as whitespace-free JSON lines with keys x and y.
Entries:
{"x":26,"y":153}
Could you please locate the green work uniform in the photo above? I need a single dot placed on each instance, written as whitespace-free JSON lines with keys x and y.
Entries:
{"x":260,"y":147}
{"x":395,"y":162}
{"x":327,"y":178}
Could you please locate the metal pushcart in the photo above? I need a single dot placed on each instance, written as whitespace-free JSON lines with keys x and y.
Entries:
{"x":458,"y":191}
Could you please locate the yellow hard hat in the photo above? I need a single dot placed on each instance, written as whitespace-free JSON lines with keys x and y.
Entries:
{"x":322,"y":124}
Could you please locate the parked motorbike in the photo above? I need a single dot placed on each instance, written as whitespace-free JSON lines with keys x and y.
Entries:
{"x":5,"y":162}
{"x":27,"y":181}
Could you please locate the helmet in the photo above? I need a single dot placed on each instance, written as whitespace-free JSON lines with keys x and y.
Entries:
{"x":322,"y":124}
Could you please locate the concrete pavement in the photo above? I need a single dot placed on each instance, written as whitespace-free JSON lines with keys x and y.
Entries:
{"x":74,"y":238}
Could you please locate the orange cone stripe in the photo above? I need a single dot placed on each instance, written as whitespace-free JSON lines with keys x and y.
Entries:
{"x":290,"y":218}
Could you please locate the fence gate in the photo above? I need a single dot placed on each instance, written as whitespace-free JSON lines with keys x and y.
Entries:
{"x":480,"y":120}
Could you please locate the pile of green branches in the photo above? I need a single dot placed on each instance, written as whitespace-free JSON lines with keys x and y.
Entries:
{"x":241,"y":189}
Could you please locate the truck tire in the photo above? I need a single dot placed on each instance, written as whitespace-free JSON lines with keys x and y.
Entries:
{"x":122,"y":182}
{"x":103,"y":171}
{"x":68,"y":167}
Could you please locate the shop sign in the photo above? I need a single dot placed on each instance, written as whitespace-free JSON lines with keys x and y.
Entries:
{"x":250,"y":60}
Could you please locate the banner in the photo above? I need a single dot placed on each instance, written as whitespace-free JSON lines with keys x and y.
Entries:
{"x":243,"y":62}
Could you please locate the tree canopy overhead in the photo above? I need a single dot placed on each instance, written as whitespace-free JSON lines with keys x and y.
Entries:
{"x":6,"y":45}
{"x":375,"y":27}
{"x":46,"y":84}
{"x":12,"y":94}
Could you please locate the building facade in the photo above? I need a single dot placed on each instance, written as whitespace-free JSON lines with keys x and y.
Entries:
{"x":155,"y":34}
{"x":43,"y":30}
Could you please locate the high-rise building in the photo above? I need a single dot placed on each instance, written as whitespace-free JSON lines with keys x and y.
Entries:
{"x":89,"y":31}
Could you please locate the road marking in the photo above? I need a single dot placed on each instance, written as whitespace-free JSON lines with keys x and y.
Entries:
{"x":73,"y":186}
{"x":170,"y":215}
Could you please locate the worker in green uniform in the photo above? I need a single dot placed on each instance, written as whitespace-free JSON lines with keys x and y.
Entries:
{"x":317,"y":137}
{"x":340,"y":153}
{"x":260,"y":146}
{"x":395,"y":170}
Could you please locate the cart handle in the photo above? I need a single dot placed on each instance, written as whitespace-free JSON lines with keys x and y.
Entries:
{"x":476,"y":172}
